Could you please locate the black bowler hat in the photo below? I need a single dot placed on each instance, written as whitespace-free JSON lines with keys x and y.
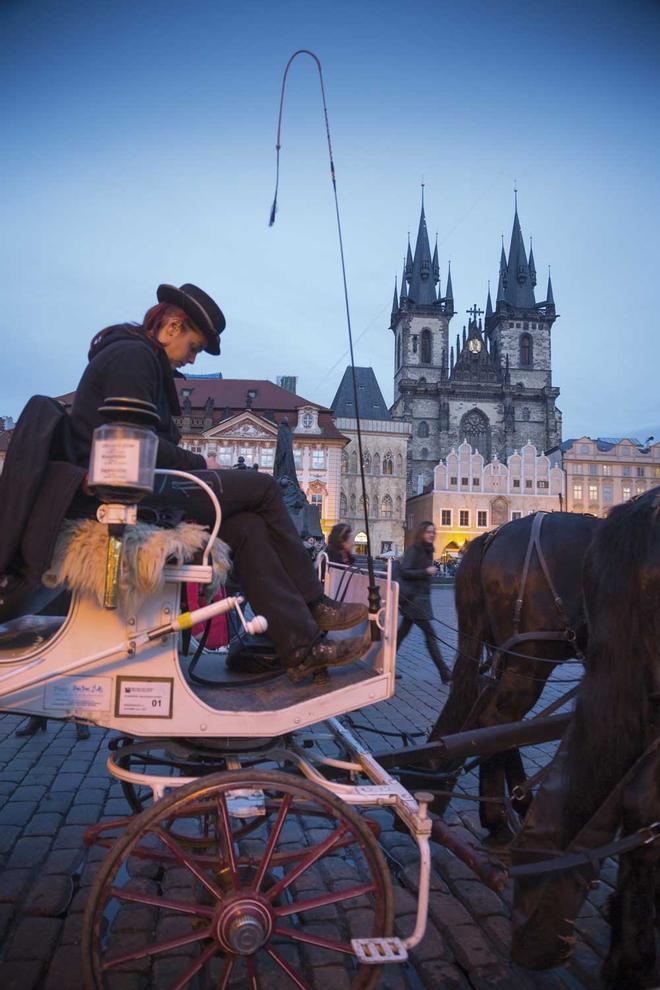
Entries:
{"x":202,"y":310}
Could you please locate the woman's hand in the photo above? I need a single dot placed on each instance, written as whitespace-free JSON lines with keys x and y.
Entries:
{"x":432,"y":571}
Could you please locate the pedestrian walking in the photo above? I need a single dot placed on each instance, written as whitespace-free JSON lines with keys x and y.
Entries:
{"x":416,"y":569}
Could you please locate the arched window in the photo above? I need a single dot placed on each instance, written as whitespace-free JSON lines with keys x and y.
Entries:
{"x":352,"y":505}
{"x":376,"y":463}
{"x":388,"y":465}
{"x":426,"y":355}
{"x":526,"y":356}
{"x":353,"y":462}
{"x":364,"y":503}
{"x":343,"y":506}
{"x":399,"y":349}
{"x":386,"y":507}
{"x":366,"y":460}
{"x":424,"y":453}
{"x":399,"y":505}
{"x":399,"y":464}
{"x":344,"y":462}
{"x":423,"y":429}
{"x":525,"y":413}
{"x":475,"y":428}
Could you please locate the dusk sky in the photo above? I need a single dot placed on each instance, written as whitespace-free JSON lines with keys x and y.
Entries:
{"x":138,"y":148}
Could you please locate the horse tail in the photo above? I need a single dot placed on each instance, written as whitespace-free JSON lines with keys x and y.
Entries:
{"x":621,"y":583}
{"x":472,"y":633}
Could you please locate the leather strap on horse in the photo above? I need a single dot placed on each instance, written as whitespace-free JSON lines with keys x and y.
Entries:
{"x":590,"y":857}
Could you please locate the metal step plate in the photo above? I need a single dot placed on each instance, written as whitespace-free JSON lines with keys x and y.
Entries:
{"x":379,"y":951}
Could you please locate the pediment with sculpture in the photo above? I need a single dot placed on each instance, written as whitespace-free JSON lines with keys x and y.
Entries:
{"x":245,"y":426}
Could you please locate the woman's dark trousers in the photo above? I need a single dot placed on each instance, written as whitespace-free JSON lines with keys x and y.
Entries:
{"x":417,"y":615}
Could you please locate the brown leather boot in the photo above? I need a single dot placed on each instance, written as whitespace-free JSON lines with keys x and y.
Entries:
{"x":326,"y":653}
{"x":329,"y":614}
{"x":34,"y":724}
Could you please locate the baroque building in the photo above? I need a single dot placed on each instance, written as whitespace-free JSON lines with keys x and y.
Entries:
{"x":602,"y":472}
{"x":384,"y":449}
{"x":493,"y":386}
{"x":469,"y":496}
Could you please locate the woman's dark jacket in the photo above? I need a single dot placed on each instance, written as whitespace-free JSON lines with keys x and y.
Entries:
{"x":414,"y":582}
{"x":123,"y":362}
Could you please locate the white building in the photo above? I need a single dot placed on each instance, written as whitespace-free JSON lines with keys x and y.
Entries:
{"x":469,"y":497}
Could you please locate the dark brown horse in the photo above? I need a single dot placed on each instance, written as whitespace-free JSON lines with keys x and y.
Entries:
{"x":607,"y":774}
{"x":519,"y":588}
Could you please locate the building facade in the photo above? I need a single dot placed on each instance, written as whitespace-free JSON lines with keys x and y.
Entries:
{"x":493,"y":387}
{"x":227,"y":419}
{"x":601,"y":473}
{"x":470,"y":496}
{"x":384,"y":449}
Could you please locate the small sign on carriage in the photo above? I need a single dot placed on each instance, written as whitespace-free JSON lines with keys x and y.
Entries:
{"x":78,"y":694}
{"x":144,"y":697}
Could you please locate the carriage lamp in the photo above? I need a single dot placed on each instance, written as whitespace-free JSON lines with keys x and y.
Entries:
{"x":121,"y":473}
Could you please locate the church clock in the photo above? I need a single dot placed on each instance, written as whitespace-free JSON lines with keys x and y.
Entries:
{"x":474,"y":345}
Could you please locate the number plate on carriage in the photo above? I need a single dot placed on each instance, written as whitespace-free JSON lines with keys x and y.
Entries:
{"x":144,"y":697}
{"x":246,"y":803}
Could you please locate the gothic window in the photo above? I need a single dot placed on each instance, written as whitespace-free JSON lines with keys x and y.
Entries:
{"x":353,"y":462}
{"x":364,"y":503}
{"x":386,"y":507}
{"x":343,"y":506}
{"x":398,"y":351}
{"x":366,"y":460}
{"x":475,"y":428}
{"x":423,"y":429}
{"x":525,"y":350}
{"x":388,"y":466}
{"x":426,"y":354}
{"x":399,"y":506}
{"x":424,"y":453}
{"x":525,"y":413}
{"x":414,"y":343}
{"x":344,"y":462}
{"x":352,"y":505}
{"x":376,"y":463}
{"x":399,"y":464}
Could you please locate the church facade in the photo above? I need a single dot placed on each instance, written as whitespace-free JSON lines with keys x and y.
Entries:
{"x":492,"y":387}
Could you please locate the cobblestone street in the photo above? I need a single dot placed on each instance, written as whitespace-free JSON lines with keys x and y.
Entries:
{"x":52,"y":787}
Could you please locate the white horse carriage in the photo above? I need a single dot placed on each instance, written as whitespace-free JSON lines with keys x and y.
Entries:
{"x":249,"y":861}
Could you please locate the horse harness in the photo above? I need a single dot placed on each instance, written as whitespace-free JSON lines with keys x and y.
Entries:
{"x":566,"y":633}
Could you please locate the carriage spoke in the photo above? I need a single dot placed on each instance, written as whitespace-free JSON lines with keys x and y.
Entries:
{"x":154,"y":950}
{"x":323,"y":943}
{"x":252,"y":971}
{"x":229,"y":840}
{"x":283,"y":964}
{"x":307,"y":861}
{"x":198,"y":964}
{"x":226,"y":972}
{"x":161,"y":902}
{"x":314,"y":902}
{"x":179,"y":854}
{"x":272,"y":841}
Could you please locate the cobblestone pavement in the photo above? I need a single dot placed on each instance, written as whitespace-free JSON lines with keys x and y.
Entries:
{"x":52,"y":787}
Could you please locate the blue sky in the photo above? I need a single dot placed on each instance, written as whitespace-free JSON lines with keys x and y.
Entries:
{"x":138,"y":147}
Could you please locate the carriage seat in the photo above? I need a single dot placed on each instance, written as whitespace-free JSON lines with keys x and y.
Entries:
{"x":79,"y":560}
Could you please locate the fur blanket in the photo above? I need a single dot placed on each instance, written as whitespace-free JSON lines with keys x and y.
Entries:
{"x":79,"y":561}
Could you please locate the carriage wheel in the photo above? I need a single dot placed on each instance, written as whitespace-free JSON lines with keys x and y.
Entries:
{"x":246,"y":878}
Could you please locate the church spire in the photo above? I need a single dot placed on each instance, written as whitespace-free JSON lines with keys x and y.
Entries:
{"x":532,"y":266}
{"x":519,"y":287}
{"x":489,"y":304}
{"x":395,"y":306}
{"x":422,"y":287}
{"x":402,"y":294}
{"x":435,"y":266}
{"x":408,"y":265}
{"x":449,"y":294}
{"x":549,"y":297}
{"x":501,"y":285}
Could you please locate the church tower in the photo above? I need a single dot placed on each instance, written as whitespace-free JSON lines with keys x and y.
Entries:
{"x":420,"y":325}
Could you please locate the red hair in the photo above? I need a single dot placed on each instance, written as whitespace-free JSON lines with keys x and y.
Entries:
{"x":155,"y":317}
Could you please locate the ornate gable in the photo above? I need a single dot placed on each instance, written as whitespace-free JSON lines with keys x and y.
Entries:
{"x":243,"y":426}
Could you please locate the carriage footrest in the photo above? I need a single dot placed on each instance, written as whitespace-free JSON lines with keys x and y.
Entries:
{"x":378,"y":951}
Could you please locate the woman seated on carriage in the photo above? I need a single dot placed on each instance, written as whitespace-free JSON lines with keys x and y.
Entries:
{"x":270,"y":562}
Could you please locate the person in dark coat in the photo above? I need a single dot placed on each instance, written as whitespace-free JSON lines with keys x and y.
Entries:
{"x":270,"y":562}
{"x":416,"y":569}
{"x":340,"y":545}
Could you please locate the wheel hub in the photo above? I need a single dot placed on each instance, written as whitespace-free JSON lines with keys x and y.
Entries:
{"x":244,"y":926}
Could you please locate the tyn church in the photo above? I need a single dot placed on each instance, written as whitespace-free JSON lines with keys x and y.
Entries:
{"x":493,"y":387}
